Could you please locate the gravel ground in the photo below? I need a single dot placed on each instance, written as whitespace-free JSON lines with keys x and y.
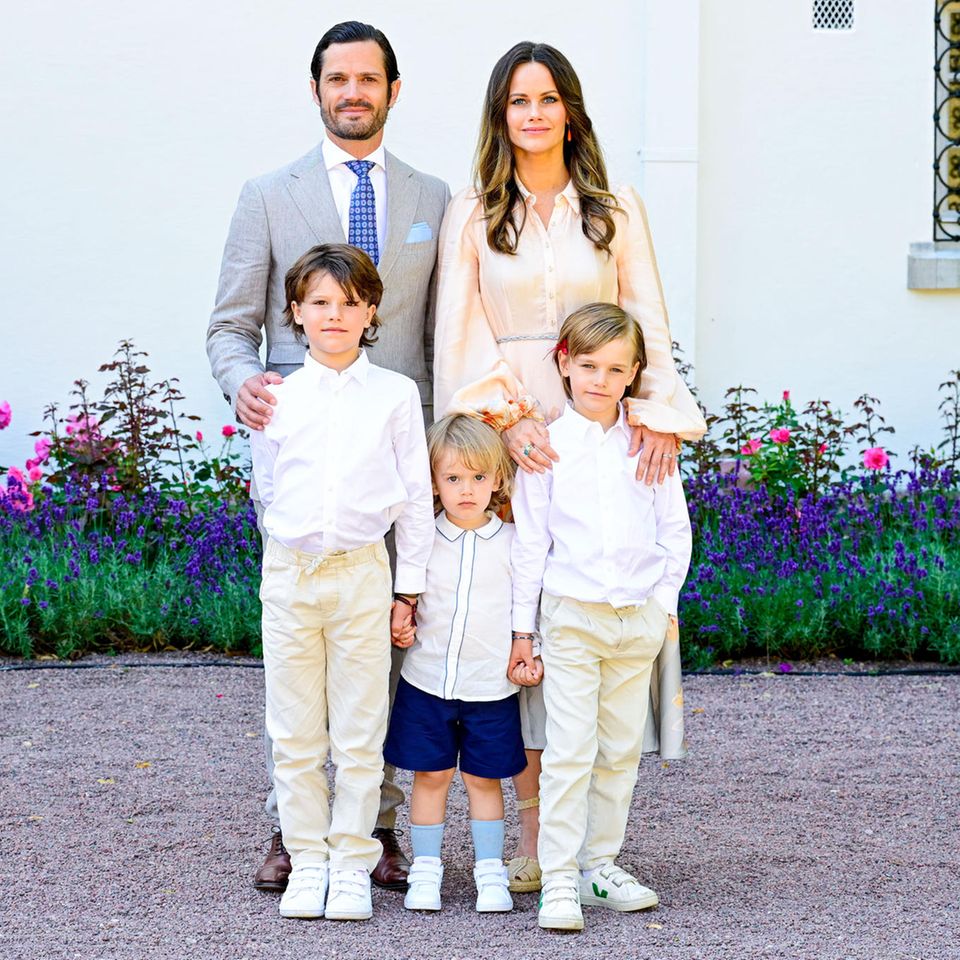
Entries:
{"x":817,"y":817}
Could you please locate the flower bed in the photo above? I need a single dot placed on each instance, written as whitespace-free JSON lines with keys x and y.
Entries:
{"x":127,"y":531}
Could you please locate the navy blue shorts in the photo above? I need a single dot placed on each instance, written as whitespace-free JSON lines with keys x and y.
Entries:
{"x":429,"y":733}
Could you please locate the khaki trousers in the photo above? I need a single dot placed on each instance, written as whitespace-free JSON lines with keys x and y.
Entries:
{"x":597,"y":661}
{"x":326,"y":655}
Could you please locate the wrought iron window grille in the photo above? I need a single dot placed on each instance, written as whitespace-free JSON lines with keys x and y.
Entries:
{"x":946,"y":121}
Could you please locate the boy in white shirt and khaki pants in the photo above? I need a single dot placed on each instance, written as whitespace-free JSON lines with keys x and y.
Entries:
{"x":342,"y":459}
{"x":610,"y":555}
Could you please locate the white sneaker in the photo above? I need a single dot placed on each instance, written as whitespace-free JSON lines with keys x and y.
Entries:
{"x":493,"y":887}
{"x":423,"y":884}
{"x":349,"y":896}
{"x":306,"y":892}
{"x":609,"y":886}
{"x":560,"y":904}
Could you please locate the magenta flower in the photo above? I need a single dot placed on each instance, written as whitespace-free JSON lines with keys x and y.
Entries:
{"x":35,"y":474}
{"x":228,"y":430}
{"x":5,"y":415}
{"x":786,"y":396}
{"x":751,"y":446}
{"x":822,"y":449}
{"x":199,"y":437}
{"x":780,"y":435}
{"x":875,"y":458}
{"x":42,"y":449}
{"x":15,"y":474}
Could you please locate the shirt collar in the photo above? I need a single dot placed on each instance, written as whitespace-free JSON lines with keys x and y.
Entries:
{"x":357,"y":370}
{"x":583,"y":426}
{"x":567,"y":195}
{"x":452,"y":532}
{"x":333,"y":155}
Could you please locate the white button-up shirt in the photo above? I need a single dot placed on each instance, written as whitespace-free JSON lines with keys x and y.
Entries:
{"x":343,"y":457}
{"x":343,"y":181}
{"x":587,"y":529}
{"x":463,"y":618}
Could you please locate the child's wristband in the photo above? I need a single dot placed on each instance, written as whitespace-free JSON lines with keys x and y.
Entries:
{"x":410,"y":602}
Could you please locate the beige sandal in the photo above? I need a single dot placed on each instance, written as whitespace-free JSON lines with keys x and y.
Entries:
{"x":524,"y":872}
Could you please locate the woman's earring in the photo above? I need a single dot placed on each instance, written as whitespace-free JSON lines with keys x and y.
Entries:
{"x":569,"y":134}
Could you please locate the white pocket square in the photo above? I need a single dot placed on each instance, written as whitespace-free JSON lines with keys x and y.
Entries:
{"x":419,"y":232}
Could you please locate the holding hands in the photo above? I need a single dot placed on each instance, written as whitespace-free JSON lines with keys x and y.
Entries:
{"x":403,"y":621}
{"x":524,"y":668}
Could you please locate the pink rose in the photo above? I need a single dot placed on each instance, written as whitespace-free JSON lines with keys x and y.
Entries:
{"x":875,"y":458}
{"x":780,"y":435}
{"x":822,"y":449}
{"x":42,"y":449}
{"x":199,"y":437}
{"x":786,"y":396}
{"x":751,"y":446}
{"x":228,"y":430}
{"x":5,"y":415}
{"x":15,"y":474}
{"x":35,"y":474}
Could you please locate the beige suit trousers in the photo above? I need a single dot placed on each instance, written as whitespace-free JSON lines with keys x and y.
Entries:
{"x":326,"y":654}
{"x":597,"y":662}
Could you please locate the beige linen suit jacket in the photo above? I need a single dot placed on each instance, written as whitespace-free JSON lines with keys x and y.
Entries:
{"x":279,"y":217}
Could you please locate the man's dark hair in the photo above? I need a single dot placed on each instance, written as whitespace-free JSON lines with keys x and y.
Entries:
{"x":352,"y":31}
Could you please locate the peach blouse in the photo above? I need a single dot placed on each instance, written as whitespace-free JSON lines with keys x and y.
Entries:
{"x":498,"y":315}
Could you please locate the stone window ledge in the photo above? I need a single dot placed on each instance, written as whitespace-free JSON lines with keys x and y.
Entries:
{"x":933,"y":266}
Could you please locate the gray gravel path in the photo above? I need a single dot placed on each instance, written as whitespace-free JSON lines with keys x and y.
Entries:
{"x":816,"y":818}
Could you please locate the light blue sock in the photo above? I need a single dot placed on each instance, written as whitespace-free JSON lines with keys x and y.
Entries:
{"x":428,"y":840}
{"x":487,"y":839}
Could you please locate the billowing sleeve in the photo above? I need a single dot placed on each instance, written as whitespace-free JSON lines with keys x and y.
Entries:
{"x":470,"y":375}
{"x":665,"y":404}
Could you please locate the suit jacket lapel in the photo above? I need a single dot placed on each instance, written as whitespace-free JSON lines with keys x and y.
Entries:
{"x":403,"y":195}
{"x":309,"y":187}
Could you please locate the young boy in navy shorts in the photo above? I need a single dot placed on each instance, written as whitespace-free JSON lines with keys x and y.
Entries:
{"x":455,"y":699}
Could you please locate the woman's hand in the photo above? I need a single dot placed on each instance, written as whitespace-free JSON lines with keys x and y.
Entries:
{"x":658,"y":456}
{"x":528,"y":442}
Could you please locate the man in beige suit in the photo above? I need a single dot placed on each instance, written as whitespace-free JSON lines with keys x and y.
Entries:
{"x":346,"y":189}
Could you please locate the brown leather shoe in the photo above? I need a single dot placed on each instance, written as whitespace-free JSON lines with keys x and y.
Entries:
{"x":391,"y":872}
{"x":275,"y":869}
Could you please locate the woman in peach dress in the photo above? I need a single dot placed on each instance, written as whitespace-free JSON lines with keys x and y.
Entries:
{"x":539,"y":235}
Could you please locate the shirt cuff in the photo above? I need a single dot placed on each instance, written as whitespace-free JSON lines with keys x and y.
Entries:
{"x":667,"y":597}
{"x":410,"y":578}
{"x":525,"y":619}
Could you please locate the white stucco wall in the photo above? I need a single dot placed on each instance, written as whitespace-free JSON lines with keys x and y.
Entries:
{"x":129,"y":128}
{"x":815,"y":157}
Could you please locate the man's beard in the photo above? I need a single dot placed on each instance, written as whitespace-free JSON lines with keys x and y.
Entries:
{"x":355,"y":129}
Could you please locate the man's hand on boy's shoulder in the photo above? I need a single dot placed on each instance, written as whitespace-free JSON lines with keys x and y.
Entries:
{"x":255,"y":402}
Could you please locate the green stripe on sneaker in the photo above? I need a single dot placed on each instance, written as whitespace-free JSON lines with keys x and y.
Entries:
{"x":597,"y":892}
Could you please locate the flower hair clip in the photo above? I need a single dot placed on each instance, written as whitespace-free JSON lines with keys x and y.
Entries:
{"x":561,"y":347}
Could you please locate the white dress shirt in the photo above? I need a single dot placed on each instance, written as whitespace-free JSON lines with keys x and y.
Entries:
{"x":463,"y":618}
{"x":587,"y":529}
{"x":343,"y":181}
{"x":343,"y":457}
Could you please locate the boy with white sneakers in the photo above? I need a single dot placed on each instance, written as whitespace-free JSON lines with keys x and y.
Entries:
{"x":454,"y":700}
{"x":342,"y":459}
{"x":610,"y":555}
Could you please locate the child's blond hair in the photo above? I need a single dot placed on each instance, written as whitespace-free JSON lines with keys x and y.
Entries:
{"x":480,"y":448}
{"x":594,"y":326}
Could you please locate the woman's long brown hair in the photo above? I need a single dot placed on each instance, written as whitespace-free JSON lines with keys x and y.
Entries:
{"x":494,"y":163}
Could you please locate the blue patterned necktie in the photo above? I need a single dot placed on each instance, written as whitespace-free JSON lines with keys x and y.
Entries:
{"x":363,"y":211}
